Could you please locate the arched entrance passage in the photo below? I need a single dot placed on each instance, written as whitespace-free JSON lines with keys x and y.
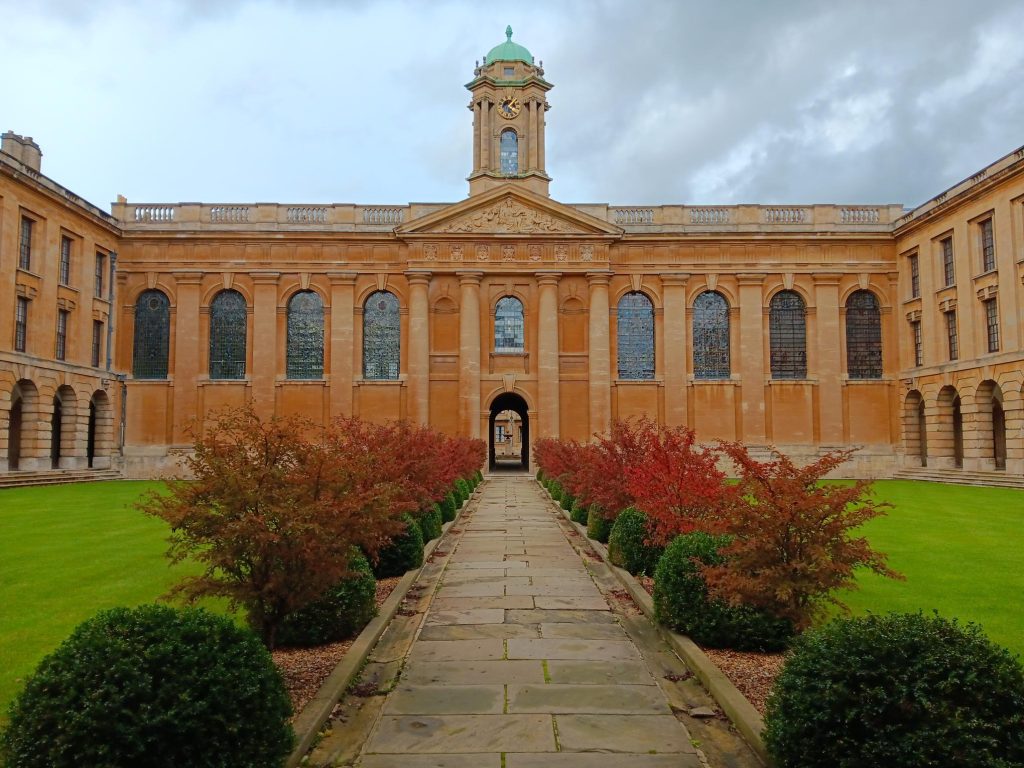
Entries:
{"x":915,"y":437}
{"x":14,"y":433}
{"x":519,"y":423}
{"x":22,"y":427}
{"x":100,"y":435}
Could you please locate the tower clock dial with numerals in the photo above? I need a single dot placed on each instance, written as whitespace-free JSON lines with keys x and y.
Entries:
{"x":509,"y":108}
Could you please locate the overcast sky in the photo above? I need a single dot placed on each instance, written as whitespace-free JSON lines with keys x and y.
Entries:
{"x":654,"y":102}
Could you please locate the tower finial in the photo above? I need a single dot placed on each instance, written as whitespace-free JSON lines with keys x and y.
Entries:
{"x":508,"y":33}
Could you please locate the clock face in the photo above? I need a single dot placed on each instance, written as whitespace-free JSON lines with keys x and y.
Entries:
{"x":509,"y":108}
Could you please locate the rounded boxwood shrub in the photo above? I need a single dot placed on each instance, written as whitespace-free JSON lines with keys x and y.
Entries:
{"x":448,"y":508}
{"x":567,"y":500}
{"x":598,"y":526}
{"x":463,"y":488}
{"x":430,"y":522}
{"x":540,"y":475}
{"x":478,"y":477}
{"x":627,"y":543}
{"x":579,"y":512}
{"x":899,"y":689}
{"x":404,"y":553}
{"x":341,"y":613}
{"x":556,"y":491}
{"x":681,"y":601}
{"x":152,"y":686}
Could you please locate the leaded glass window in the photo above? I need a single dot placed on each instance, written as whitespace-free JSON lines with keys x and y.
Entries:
{"x":508,"y":325}
{"x":863,"y":336}
{"x":635,"y":336}
{"x":305,"y":354}
{"x":382,"y":333}
{"x":509,"y":152}
{"x":992,"y":325}
{"x":951,"y":337}
{"x":988,"y":246}
{"x":227,"y":336}
{"x":948,"y":271}
{"x":711,"y":336}
{"x":152,"y":336}
{"x":787,"y":324}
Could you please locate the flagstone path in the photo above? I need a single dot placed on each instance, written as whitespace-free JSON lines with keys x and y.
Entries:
{"x":522,"y":661}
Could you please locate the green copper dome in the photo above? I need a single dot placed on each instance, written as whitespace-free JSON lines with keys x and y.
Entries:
{"x":508,"y":51}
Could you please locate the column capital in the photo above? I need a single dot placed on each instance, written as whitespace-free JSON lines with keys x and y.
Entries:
{"x":599,"y":278}
{"x":418,"y":276}
{"x":342,"y":278}
{"x":548,"y":278}
{"x":469,"y":278}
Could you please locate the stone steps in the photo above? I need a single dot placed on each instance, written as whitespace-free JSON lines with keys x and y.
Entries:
{"x":961,"y":477}
{"x":23,"y":479}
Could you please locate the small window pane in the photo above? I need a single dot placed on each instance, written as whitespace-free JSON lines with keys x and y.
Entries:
{"x":509,"y":153}
{"x":97,"y":342}
{"x":227,"y":336}
{"x":382,"y":331}
{"x":918,"y":343}
{"x":788,"y":334}
{"x":62,"y":334}
{"x":992,"y":325}
{"x":863,"y":336}
{"x":988,"y":247}
{"x":101,"y":268}
{"x":915,"y":277}
{"x":305,"y":354}
{"x":948,"y":270}
{"x":152,"y":336}
{"x":951,"y":336}
{"x":65,"y":260}
{"x":25,"y":244}
{"x":20,"y":324}
{"x":508,"y":325}
{"x":635,"y":337}
{"x":711,"y":336}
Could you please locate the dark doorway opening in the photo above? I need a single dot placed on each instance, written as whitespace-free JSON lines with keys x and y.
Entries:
{"x":518,"y":422}
{"x":922,"y":434}
{"x":998,"y":435}
{"x":90,"y":446}
{"x":958,"y":434}
{"x":14,"y":435}
{"x":55,"y":426}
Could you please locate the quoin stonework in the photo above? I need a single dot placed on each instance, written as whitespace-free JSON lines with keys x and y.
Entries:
{"x":807,"y":327}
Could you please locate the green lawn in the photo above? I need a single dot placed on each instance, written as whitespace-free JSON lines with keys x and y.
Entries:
{"x":962,"y":551}
{"x":67,"y":551}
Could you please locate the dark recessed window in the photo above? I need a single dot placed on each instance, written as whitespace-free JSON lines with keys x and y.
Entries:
{"x":787,"y":325}
{"x":20,"y":323}
{"x":382,"y":331}
{"x":863,"y":336}
{"x":65,"y":260}
{"x":948,"y":271}
{"x":227,"y":335}
{"x":152,"y":336}
{"x":509,"y":152}
{"x":951,"y":337}
{"x":988,"y":246}
{"x":915,"y":329}
{"x":711,"y":336}
{"x":101,"y":269}
{"x":25,"y":244}
{"x":305,"y":354}
{"x":635,"y":336}
{"x":62,"y":334}
{"x":97,"y":342}
{"x":915,"y":277}
{"x":992,"y":325}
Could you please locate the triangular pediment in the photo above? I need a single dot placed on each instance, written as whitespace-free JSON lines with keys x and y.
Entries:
{"x":508,"y":211}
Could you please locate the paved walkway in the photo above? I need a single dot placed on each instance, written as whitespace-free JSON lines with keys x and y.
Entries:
{"x":522,"y":661}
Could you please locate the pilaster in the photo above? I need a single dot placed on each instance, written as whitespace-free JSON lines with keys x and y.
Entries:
{"x":264,"y":348}
{"x":752,"y":368}
{"x":419,"y":346}
{"x":469,"y":353}
{"x":547,"y":353}
{"x":674,"y":323}
{"x":342,"y":342}
{"x":600,"y":354}
{"x":186,"y":354}
{"x":829,"y":360}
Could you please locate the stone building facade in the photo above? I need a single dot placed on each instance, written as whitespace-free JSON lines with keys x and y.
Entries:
{"x":792,"y":326}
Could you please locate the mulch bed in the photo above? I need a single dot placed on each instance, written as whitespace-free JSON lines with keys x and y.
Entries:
{"x":305,"y":669}
{"x":752,"y":673}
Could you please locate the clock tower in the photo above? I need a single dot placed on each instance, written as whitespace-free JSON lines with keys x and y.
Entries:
{"x":509,"y":102}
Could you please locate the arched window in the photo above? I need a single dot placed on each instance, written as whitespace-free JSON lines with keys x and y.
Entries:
{"x":227,"y":336}
{"x":509,"y":152}
{"x":508,"y":325}
{"x":635,"y":336}
{"x":152,"y":336}
{"x":711,"y":336}
{"x":787,"y":323}
{"x":381,"y":336}
{"x":863,"y":336}
{"x":305,"y":354}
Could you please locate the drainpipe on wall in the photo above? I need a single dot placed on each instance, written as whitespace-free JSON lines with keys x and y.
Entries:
{"x":122,"y":380}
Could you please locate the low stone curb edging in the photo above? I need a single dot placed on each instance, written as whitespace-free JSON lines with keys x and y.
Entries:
{"x":311,"y":719}
{"x":741,"y":713}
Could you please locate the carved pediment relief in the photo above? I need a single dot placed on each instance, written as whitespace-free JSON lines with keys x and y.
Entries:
{"x":509,"y":216}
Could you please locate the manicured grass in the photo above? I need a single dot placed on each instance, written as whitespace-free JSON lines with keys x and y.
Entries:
{"x":69,"y":551}
{"x":962,"y":551}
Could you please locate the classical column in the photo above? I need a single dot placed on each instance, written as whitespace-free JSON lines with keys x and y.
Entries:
{"x":343,"y":286}
{"x":264,"y":348}
{"x":752,"y":364}
{"x":186,"y":354}
{"x":419,"y":347}
{"x":675,"y":346}
{"x":534,"y":134}
{"x":477,"y":130}
{"x":485,"y":134}
{"x":547,"y":353}
{"x":829,"y":361}
{"x":600,"y":354}
{"x":469,"y":353}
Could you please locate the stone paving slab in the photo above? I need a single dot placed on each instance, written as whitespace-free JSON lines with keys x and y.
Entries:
{"x":599,"y":673}
{"x":474,"y":631}
{"x":458,"y":650}
{"x":585,"y":760}
{"x":473,"y":672}
{"x":444,"y":602}
{"x":573,"y":648}
{"x":588,"y":699}
{"x":448,"y":700}
{"x":435,"y":761}
{"x":462,"y":733}
{"x":537,"y":616}
{"x":469,"y":616}
{"x":595,"y":603}
{"x":621,"y":733}
{"x":588,"y":631}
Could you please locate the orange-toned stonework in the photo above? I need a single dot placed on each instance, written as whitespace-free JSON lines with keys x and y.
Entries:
{"x":574,"y":269}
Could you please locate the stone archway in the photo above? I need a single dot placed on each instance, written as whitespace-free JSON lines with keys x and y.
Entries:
{"x":509,"y":402}
{"x":915,"y":436}
{"x":100,"y":434}
{"x":23,"y":423}
{"x":946,"y":435}
{"x":989,"y":428}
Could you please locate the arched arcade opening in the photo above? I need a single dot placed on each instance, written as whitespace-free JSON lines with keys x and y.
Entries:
{"x":508,"y":434}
